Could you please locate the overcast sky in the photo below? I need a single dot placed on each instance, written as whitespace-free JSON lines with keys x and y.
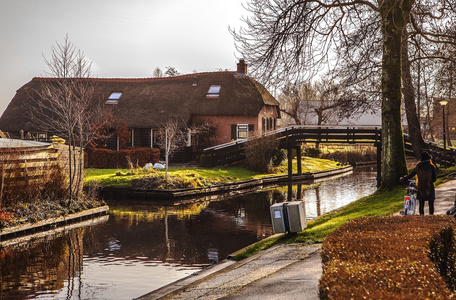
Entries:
{"x":122,"y":38}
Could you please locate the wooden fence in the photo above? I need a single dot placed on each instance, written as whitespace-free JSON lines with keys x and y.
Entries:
{"x":26,"y":164}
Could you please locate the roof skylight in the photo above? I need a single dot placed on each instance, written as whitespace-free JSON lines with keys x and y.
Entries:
{"x":114,"y":98}
{"x":214,"y":91}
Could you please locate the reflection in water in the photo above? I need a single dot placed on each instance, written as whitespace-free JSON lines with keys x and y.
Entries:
{"x":41,"y":266}
{"x":144,"y":246}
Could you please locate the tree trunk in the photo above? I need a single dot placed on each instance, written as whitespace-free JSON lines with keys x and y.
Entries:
{"x":447,"y":119}
{"x":394,"y":16}
{"x":414,"y":128}
{"x":430,"y":134}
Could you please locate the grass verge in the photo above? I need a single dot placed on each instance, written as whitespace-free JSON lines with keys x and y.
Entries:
{"x":382,"y":203}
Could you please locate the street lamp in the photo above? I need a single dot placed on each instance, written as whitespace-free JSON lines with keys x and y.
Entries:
{"x":443,"y":103}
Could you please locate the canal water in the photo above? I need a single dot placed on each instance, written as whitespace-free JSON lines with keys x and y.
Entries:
{"x":141,"y":246}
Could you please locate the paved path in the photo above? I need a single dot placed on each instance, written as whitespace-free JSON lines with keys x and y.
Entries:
{"x":289,"y":271}
{"x":445,"y":195}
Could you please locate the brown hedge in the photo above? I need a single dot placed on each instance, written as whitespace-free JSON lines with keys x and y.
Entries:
{"x":393,"y":257}
{"x":109,"y":159}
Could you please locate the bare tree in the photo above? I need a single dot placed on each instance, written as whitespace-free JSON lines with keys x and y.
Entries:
{"x":171,"y":138}
{"x":261,"y":152}
{"x":323,"y":102}
{"x":157,"y":72}
{"x":64,"y":106}
{"x":285,"y":39}
{"x":171,"y":72}
{"x":294,"y":102}
{"x":203,"y":135}
{"x":408,"y":91}
{"x":446,"y":84}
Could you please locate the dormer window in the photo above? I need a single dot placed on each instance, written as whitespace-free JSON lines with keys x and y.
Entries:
{"x":214,"y":91}
{"x":114,"y":98}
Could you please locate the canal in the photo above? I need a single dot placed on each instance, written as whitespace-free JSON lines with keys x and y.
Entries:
{"x":141,"y":246}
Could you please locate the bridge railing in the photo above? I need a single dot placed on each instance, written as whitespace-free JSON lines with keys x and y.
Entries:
{"x":330,"y":134}
{"x":293,"y":135}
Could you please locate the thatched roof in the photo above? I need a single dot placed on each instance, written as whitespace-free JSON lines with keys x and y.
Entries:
{"x":150,"y":102}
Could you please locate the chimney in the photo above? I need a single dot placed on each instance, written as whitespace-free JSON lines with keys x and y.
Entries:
{"x":241,"y":67}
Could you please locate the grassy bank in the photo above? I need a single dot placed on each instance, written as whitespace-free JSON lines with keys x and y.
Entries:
{"x":204,"y":176}
{"x":381,"y":203}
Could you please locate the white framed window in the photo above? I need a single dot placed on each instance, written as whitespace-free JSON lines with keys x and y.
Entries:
{"x":242,"y":131}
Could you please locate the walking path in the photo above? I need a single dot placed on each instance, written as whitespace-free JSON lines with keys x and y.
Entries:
{"x":289,"y":271}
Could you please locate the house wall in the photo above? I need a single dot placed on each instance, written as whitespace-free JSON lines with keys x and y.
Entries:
{"x":269,"y":114}
{"x":223,"y":125}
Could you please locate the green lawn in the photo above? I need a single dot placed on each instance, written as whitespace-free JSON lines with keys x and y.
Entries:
{"x":123,"y":177}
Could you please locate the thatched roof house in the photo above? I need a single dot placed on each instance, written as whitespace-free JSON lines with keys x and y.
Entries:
{"x":230,"y":100}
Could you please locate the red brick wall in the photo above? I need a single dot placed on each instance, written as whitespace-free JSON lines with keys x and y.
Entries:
{"x":223,"y":123}
{"x":268,"y":111}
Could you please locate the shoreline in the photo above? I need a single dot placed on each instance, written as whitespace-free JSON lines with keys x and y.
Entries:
{"x":225,"y":188}
{"x":27,"y":229}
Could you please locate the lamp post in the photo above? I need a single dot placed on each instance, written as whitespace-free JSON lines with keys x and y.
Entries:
{"x":443,"y":103}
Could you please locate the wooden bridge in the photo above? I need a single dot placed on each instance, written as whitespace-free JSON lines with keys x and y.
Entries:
{"x":294,"y":136}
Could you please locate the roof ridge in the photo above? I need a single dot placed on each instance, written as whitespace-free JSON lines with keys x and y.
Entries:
{"x":119,"y":79}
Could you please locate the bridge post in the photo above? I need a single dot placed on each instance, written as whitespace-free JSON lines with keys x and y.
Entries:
{"x":290,"y":162}
{"x":299,"y":159}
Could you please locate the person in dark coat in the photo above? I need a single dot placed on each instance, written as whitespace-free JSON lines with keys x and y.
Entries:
{"x":425,"y":178}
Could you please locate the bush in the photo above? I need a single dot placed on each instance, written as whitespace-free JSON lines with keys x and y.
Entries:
{"x":108,"y":159}
{"x":262,"y":153}
{"x":390,"y":258}
{"x":312,"y":152}
{"x":360,"y":154}
{"x":280,"y":156}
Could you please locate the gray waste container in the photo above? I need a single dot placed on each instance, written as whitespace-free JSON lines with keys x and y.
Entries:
{"x":288,"y":216}
{"x":296,"y":213}
{"x":278,"y":215}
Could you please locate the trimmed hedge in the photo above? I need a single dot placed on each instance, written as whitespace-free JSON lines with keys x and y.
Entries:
{"x":108,"y":159}
{"x":393,"y":257}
